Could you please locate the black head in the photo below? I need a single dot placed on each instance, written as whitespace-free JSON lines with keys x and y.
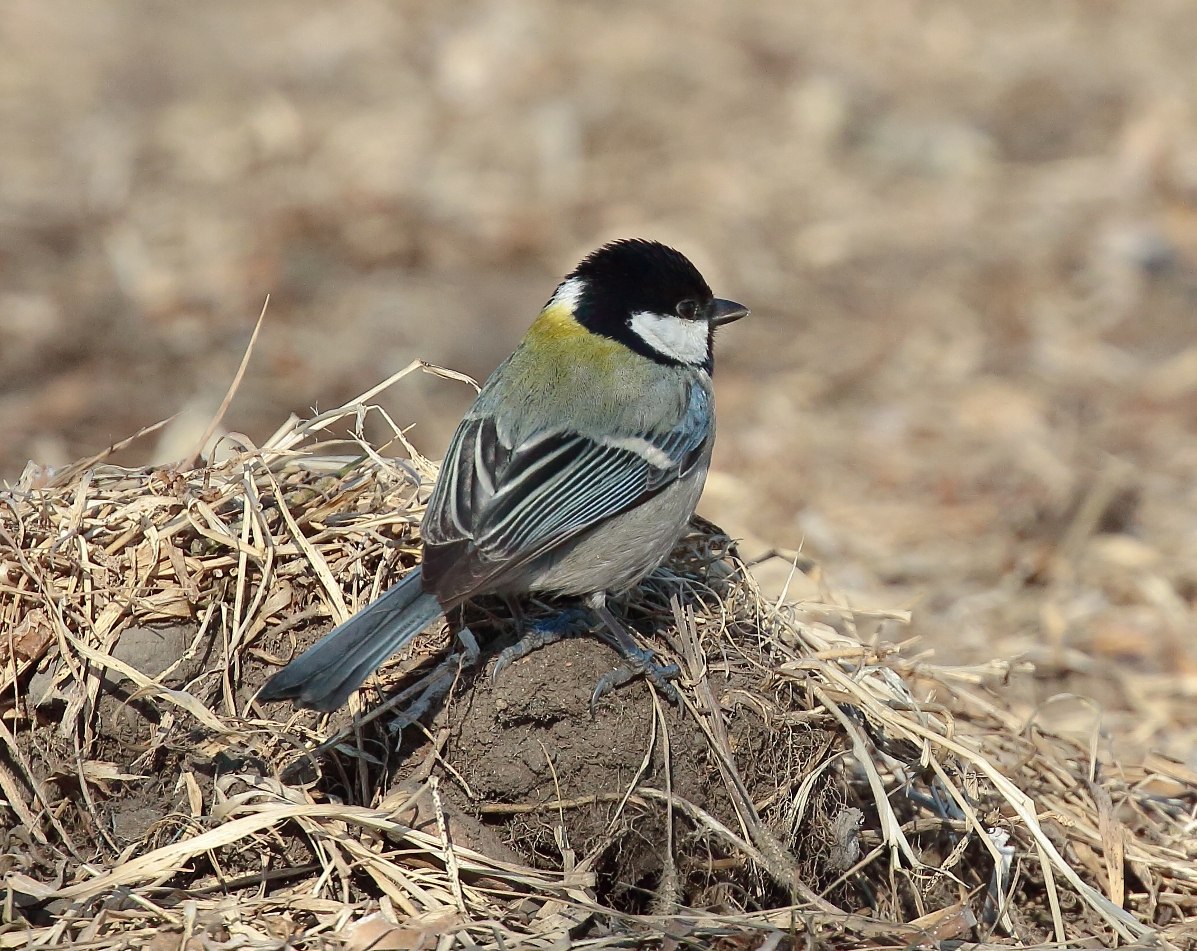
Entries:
{"x":650,"y":298}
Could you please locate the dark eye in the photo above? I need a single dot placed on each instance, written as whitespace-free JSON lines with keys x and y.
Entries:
{"x":687,"y":309}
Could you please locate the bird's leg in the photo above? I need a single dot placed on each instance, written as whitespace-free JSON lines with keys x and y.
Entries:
{"x":518,"y":618}
{"x":438,"y":682}
{"x":541,"y":633}
{"x":640,"y":660}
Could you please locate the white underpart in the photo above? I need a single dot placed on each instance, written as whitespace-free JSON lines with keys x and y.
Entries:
{"x":673,"y":337}
{"x":568,"y":293}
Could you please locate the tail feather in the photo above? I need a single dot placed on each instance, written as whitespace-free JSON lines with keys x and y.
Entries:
{"x":323,"y":676}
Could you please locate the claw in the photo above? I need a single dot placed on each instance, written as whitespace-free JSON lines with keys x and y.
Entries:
{"x":640,"y":664}
{"x":640,"y":661}
{"x":540,"y":634}
{"x":437,"y":684}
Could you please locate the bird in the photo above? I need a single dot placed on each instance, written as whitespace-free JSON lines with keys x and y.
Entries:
{"x":573,"y":474}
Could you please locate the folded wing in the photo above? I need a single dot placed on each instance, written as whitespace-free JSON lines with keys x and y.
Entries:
{"x":497,"y":507}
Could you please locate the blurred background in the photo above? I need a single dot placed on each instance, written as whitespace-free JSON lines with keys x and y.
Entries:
{"x":968,"y":233}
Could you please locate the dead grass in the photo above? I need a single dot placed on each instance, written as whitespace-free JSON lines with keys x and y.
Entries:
{"x":857,"y":794}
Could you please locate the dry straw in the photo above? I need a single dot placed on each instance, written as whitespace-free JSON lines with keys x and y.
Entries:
{"x":896,"y":803}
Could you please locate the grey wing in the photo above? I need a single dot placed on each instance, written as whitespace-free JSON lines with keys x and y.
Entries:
{"x":496,"y":507}
{"x":474,"y":461}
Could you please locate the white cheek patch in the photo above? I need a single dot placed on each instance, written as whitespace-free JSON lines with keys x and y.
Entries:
{"x":683,"y":340}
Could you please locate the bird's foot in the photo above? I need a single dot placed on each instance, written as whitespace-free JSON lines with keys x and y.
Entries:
{"x":640,"y":663}
{"x":639,"y":660}
{"x":540,"y":634}
{"x":438,"y":682}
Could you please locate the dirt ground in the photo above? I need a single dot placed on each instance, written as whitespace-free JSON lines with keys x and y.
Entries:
{"x":968,"y":234}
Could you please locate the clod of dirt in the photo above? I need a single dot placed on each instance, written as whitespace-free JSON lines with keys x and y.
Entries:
{"x":152,"y":649}
{"x":557,"y":782}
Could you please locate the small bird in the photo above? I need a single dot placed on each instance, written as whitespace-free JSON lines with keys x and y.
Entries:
{"x":573,"y":474}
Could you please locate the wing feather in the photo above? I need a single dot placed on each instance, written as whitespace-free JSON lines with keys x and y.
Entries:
{"x":496,"y":507}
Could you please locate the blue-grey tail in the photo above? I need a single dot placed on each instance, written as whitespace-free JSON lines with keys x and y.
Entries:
{"x":323,"y":676}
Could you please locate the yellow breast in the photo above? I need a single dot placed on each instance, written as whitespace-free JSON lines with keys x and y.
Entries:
{"x":556,"y":334}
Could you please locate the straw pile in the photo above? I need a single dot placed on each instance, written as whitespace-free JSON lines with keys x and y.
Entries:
{"x":820,"y":783}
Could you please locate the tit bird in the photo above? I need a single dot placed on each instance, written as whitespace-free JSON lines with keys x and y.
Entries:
{"x":573,"y":474}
